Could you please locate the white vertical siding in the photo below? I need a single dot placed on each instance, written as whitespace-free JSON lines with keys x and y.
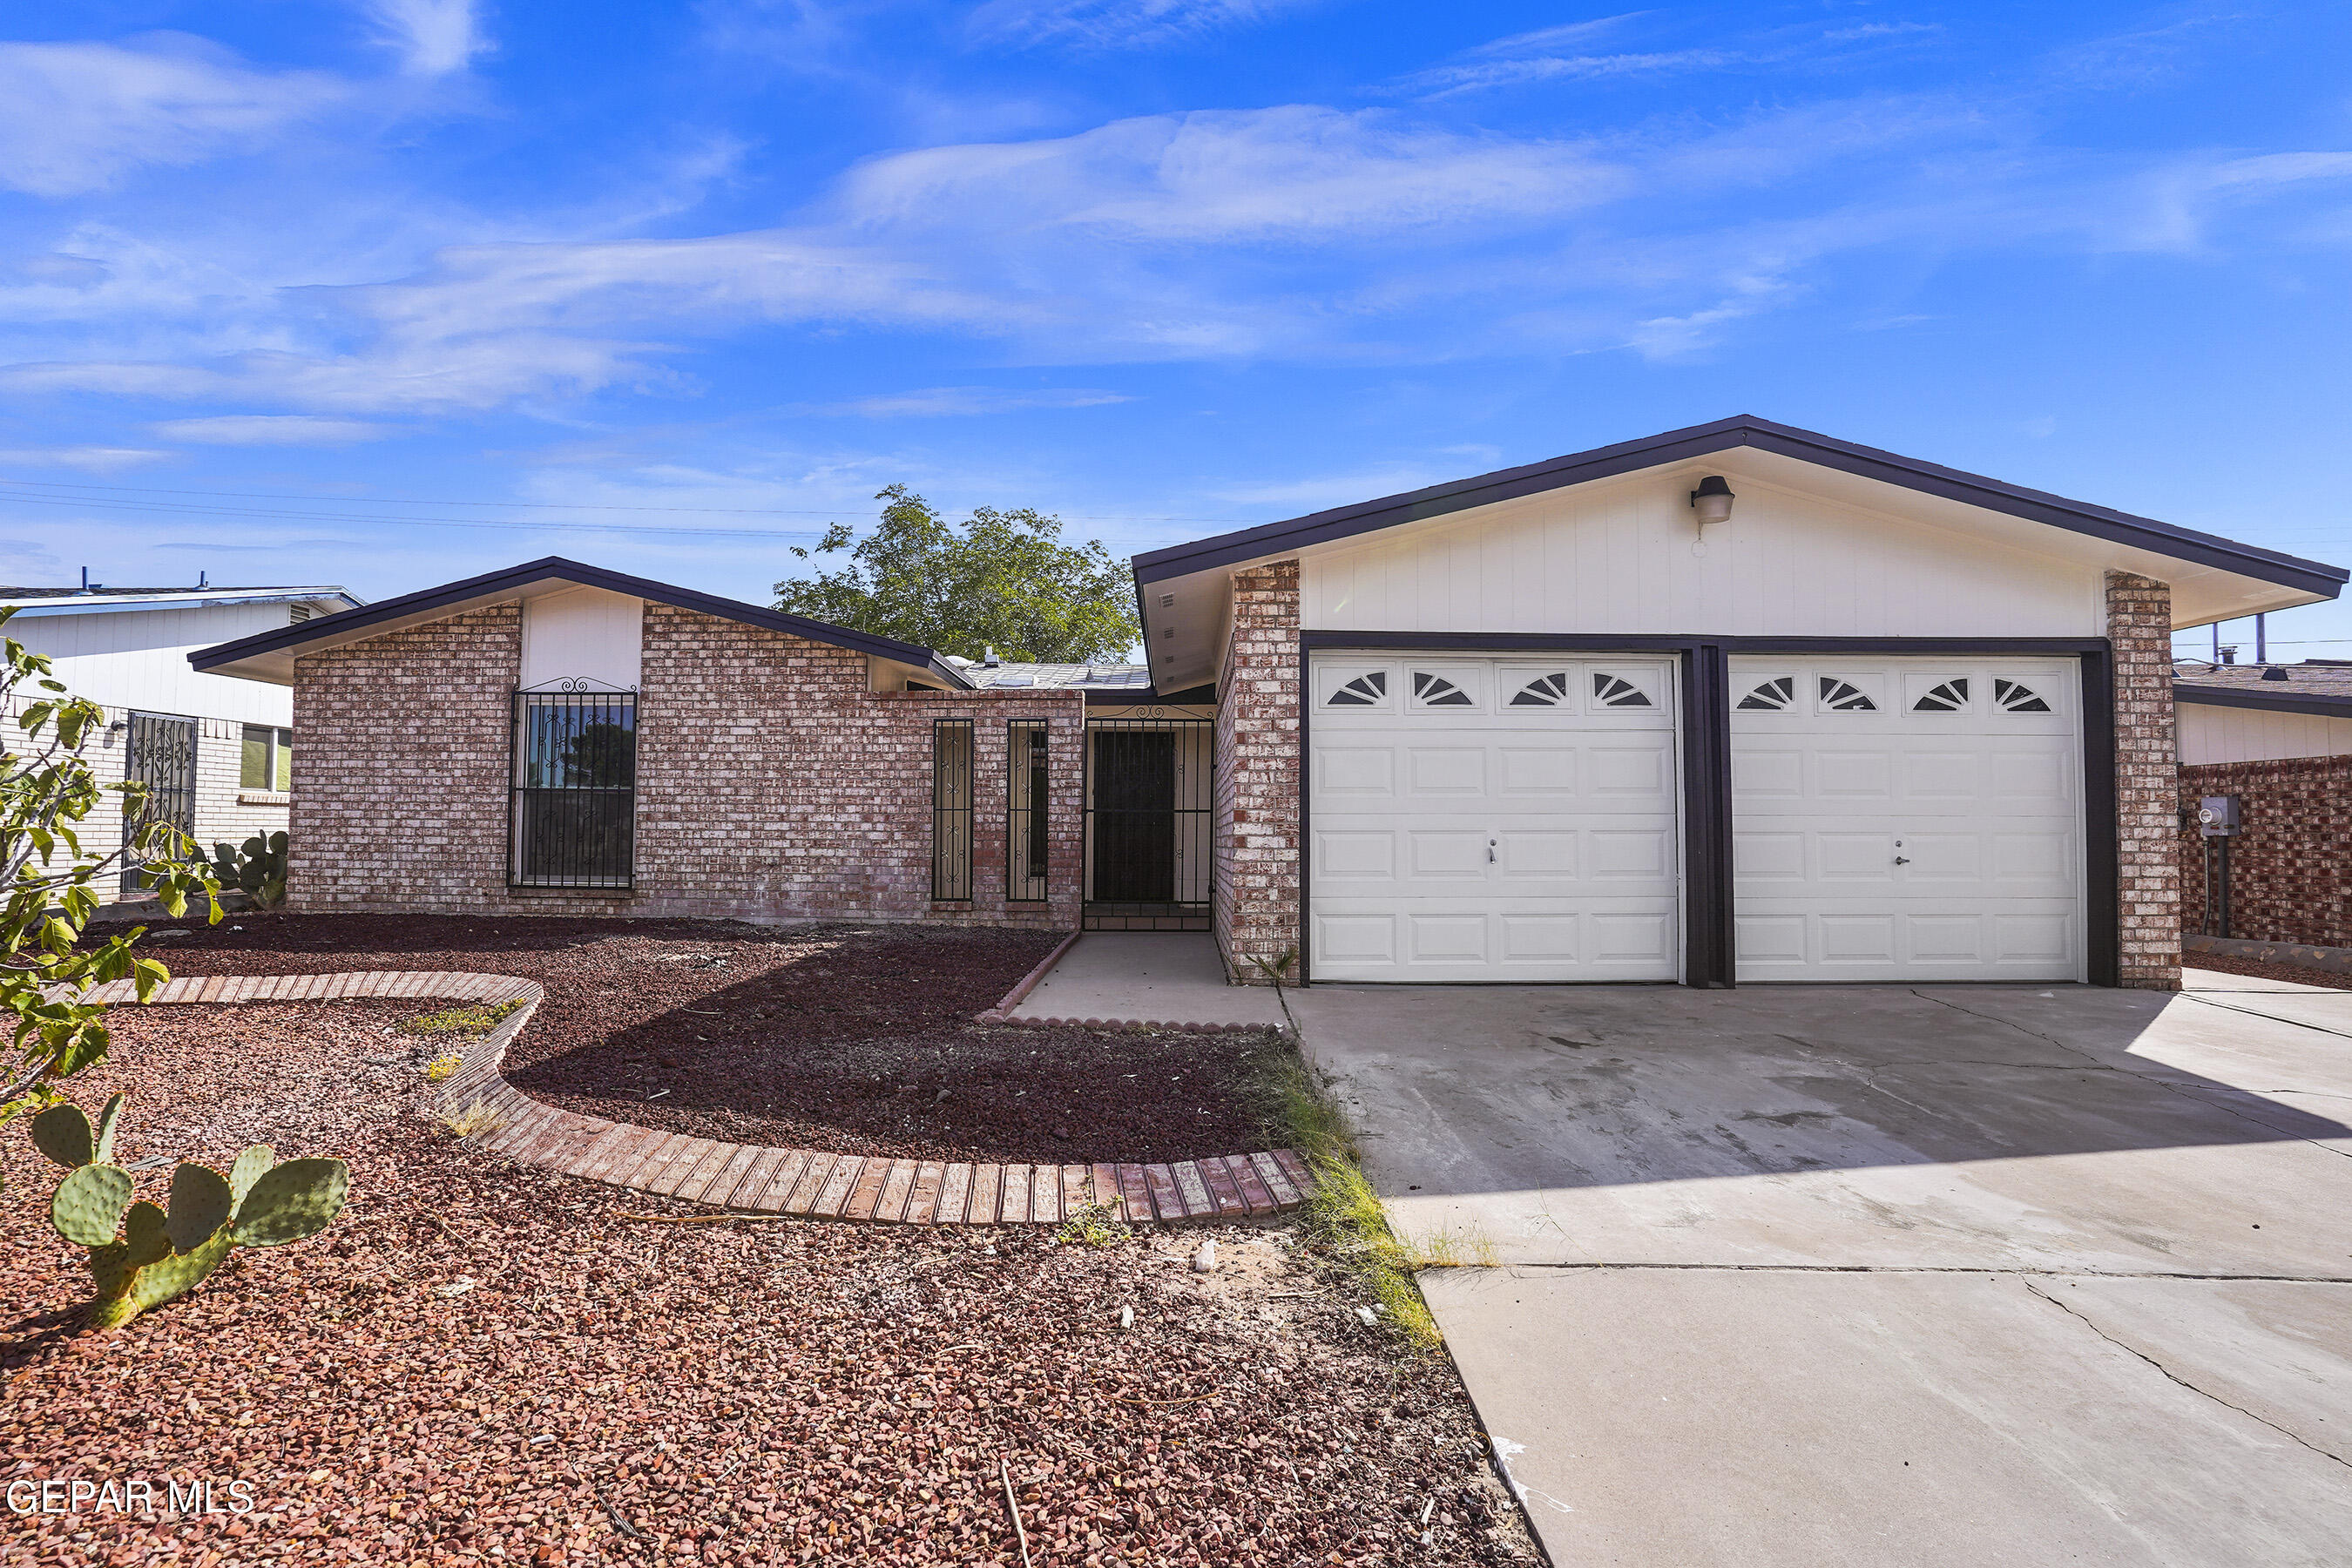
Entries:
{"x":582,"y":634}
{"x":139,"y":659}
{"x":2211,"y":734}
{"x":1618,"y":558}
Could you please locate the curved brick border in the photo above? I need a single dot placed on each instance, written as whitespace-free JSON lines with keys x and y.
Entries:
{"x":750,"y":1176}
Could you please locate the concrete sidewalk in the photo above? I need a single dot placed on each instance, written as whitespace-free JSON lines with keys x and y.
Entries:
{"x":1149,"y":977}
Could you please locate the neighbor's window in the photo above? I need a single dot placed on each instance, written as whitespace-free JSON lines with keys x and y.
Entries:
{"x":268,"y":759}
{"x":575,"y":789}
{"x":1024,"y":811}
{"x":950,"y":808}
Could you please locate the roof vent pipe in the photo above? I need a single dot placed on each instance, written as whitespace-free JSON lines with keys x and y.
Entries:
{"x":988,"y":659}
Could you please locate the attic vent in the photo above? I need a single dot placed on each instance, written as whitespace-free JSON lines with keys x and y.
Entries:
{"x":297,"y":613}
{"x":1167,"y":600}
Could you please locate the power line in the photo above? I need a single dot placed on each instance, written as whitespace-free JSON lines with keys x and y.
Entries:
{"x":556,"y":506}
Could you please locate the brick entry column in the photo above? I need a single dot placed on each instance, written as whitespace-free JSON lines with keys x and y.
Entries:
{"x":1258,"y":781}
{"x":2147,"y":788}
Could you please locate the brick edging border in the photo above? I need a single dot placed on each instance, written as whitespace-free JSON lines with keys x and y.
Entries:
{"x":752,"y":1177}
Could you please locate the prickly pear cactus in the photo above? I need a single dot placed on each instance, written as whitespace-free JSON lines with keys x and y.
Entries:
{"x":256,"y":868}
{"x":142,"y":1256}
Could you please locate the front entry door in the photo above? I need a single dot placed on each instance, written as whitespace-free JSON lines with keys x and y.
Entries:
{"x":1135,"y":817}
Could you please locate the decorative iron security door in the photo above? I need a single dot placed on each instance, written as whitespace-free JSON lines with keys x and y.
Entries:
{"x":159,"y":752}
{"x":1149,"y":809}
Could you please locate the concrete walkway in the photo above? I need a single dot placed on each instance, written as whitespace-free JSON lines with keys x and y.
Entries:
{"x":1967,"y":1276}
{"x":1147,"y":976}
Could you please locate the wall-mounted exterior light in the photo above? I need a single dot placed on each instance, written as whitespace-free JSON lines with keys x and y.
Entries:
{"x":1712,"y":501}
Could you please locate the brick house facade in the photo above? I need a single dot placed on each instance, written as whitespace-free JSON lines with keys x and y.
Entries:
{"x":2147,"y":867}
{"x":1256,"y":910}
{"x":771,"y":782}
{"x":2288,"y":859}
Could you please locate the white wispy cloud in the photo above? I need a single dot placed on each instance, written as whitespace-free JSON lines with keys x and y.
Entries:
{"x":942,"y":402}
{"x":432,"y":37}
{"x":90,"y":459}
{"x":79,"y":117}
{"x":272,"y":430}
{"x":1118,"y":23}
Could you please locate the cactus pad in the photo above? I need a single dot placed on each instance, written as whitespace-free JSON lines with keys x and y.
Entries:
{"x":62,"y":1133}
{"x":201,"y":1205}
{"x":297,"y":1199}
{"x":249,"y":1170}
{"x":88,"y":1208}
{"x":103,"y":1149}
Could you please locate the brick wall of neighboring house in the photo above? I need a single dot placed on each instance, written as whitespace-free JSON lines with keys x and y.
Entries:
{"x":2147,"y":869}
{"x":771,"y":784}
{"x":1256,"y":905}
{"x":2291,"y":861}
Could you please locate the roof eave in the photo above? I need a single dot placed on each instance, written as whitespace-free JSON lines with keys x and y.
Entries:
{"x":2164,"y":538}
{"x":452,"y":598}
{"x":2322,"y":706}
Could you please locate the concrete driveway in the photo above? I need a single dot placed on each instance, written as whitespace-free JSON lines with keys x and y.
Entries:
{"x":1975,"y":1276}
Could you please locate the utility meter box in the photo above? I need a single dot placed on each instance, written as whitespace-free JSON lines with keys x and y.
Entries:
{"x":2216,"y":817}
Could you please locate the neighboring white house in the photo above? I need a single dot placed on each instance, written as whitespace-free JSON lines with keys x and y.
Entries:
{"x":2262,"y":712}
{"x":216,"y":752}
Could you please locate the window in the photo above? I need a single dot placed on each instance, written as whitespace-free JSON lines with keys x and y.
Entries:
{"x":268,"y":759}
{"x":1950,"y":697}
{"x":1025,"y":796}
{"x":1544,"y":691}
{"x":1610,"y":692}
{"x":2012,"y":697}
{"x":1845,"y":697}
{"x":1436,"y":691}
{"x":575,"y":789}
{"x":1364,"y":691}
{"x":1774,"y":696}
{"x":951,"y":809}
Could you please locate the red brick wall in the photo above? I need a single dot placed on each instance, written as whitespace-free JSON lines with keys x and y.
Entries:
{"x":1255,"y":897}
{"x":2291,"y":862}
{"x":771,"y":784}
{"x":2147,"y":866}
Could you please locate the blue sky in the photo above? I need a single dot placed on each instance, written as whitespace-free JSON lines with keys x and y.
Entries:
{"x":319,"y":291}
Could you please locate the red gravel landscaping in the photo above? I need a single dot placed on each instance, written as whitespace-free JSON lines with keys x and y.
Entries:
{"x":479,"y":1362}
{"x":2295,"y":973}
{"x":854,"y":1038}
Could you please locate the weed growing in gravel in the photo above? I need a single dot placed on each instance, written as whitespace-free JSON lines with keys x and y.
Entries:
{"x":443,"y":1066}
{"x":473,"y":1121}
{"x":1094,"y":1224}
{"x":1342,"y":1217}
{"x":474,"y":1020}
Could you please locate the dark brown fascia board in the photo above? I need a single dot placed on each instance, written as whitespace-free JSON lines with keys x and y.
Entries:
{"x":2311,"y":702}
{"x":555,"y":568}
{"x":1724,"y":435}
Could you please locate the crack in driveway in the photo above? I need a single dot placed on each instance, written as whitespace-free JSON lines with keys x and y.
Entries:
{"x":2184,"y":1383}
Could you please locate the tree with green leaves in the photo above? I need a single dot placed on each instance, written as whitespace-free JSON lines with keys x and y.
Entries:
{"x":1001,"y":580}
{"x":53,"y":881}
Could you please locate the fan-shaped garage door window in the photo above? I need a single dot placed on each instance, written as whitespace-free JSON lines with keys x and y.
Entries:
{"x":2015,"y":697}
{"x":1773,"y":695}
{"x":1364,"y":691}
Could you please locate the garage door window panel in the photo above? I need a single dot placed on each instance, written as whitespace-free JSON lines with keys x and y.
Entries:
{"x":1355,"y":686}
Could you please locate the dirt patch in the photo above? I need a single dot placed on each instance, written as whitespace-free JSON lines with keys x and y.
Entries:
{"x":855,"y":1038}
{"x":479,"y":1362}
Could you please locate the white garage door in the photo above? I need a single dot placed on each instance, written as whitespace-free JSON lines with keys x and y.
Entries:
{"x":1492,"y":819}
{"x":1906,"y":819}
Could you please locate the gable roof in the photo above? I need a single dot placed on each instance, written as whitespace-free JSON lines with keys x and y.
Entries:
{"x":1741,"y":430}
{"x":269,"y":656}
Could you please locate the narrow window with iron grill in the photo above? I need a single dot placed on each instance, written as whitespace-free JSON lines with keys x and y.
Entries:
{"x":951,"y":809}
{"x":1025,"y":796}
{"x":575,"y":788}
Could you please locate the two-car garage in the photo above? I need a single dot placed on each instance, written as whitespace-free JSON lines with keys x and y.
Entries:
{"x":1522,"y":818}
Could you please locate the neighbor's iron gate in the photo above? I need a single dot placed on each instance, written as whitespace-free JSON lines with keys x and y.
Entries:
{"x":1150,"y":802}
{"x":161,"y":753}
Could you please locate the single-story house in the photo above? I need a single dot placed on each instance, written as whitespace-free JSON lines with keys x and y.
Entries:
{"x":216,"y":754}
{"x":2277,"y":740}
{"x":1733,"y":703}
